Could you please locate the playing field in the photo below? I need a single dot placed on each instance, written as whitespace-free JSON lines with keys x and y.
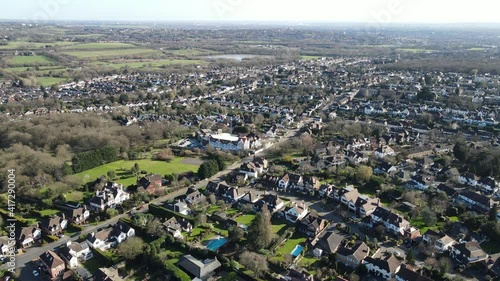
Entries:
{"x":32,"y":45}
{"x":122,"y":167}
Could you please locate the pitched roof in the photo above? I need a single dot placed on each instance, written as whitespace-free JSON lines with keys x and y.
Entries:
{"x":331,"y":241}
{"x":51,"y":259}
{"x":389,"y":264}
{"x":407,"y":274}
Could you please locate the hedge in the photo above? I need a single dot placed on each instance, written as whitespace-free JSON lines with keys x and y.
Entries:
{"x":166,"y":213}
{"x":108,"y":257}
{"x":177,"y":273}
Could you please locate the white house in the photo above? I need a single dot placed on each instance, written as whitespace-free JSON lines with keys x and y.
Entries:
{"x":441,"y":241}
{"x":111,"y":196}
{"x":296,"y":212}
{"x":110,"y":237}
{"x":385,"y":268}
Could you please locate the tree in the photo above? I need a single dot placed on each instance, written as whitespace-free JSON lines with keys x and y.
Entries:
{"x":200,"y":219}
{"x":123,"y":98}
{"x":111,"y":174}
{"x":425,"y":94}
{"x":410,"y":257}
{"x":461,"y":151}
{"x":363,"y":173}
{"x":236,"y":234}
{"x":492,"y":215}
{"x":211,"y":199}
{"x":260,"y":230}
{"x":131,"y":248}
{"x":110,"y":212}
{"x":155,"y":228}
{"x":254,"y":262}
{"x":429,"y":217}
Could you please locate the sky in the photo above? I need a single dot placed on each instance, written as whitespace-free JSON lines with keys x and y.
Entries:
{"x":364,"y":11}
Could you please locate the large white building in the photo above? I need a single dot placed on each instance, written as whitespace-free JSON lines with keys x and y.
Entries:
{"x":228,"y":142}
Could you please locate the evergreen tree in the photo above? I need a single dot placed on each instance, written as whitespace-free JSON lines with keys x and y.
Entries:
{"x":260,"y":230}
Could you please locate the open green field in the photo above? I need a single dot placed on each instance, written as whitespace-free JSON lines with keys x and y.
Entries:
{"x":123,"y":166}
{"x":414,"y":50}
{"x":112,"y":53}
{"x":32,"y":45}
{"x":48,"y":212}
{"x":101,"y":46}
{"x":310,"y":57}
{"x":150,"y":64}
{"x":30,"y":60}
{"x":187,"y":52}
{"x":476,"y":49}
{"x":49,"y":81}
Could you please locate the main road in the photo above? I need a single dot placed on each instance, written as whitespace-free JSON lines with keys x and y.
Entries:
{"x":33,"y":253}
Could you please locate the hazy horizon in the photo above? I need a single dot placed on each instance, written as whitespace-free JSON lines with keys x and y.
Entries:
{"x":278,"y":11}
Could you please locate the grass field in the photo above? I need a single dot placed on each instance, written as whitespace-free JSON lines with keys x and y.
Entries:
{"x":49,"y":81}
{"x":415,"y":50}
{"x":32,"y":45}
{"x":30,"y":60}
{"x":157,"y":167}
{"x":101,"y":46}
{"x":150,"y":64}
{"x":112,"y":53}
{"x":187,"y":52}
{"x":278,"y":225}
{"x":245,"y":219}
{"x":476,"y":49}
{"x":310,"y":57}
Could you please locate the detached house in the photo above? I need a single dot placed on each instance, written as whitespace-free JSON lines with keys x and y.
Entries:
{"x":77,"y":216}
{"x":296,"y":212}
{"x":272,"y":201}
{"x":27,"y":236}
{"x":383,"y":267}
{"x":54,"y":225}
{"x":354,"y":256}
{"x":394,"y":223}
{"x":406,"y":274}
{"x":468,"y":252}
{"x":52,"y":264}
{"x":111,"y":236}
{"x":312,"y":225}
{"x":111,"y":196}
{"x":194,"y":197}
{"x":418,"y":182}
{"x":441,"y":241}
{"x":468,"y":179}
{"x":384,"y":151}
{"x":151,"y":184}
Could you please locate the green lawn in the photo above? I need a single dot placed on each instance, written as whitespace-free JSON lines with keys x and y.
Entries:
{"x":278,"y":225}
{"x":30,"y":60}
{"x":187,"y":52}
{"x":476,"y":49}
{"x":157,"y":167}
{"x":75,"y":196}
{"x":290,"y":244}
{"x":48,"y":212}
{"x":245,"y":219}
{"x":49,"y":81}
{"x":138,"y":52}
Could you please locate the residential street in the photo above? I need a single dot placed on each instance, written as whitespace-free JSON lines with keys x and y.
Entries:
{"x":34,"y":252}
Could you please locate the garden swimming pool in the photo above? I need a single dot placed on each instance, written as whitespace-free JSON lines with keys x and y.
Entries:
{"x":215,"y":244}
{"x":296,"y":251}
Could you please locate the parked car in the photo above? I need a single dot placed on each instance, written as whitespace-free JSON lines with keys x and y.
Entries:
{"x":35,"y":273}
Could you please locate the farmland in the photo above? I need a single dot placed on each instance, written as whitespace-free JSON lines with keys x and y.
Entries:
{"x":112,"y":53}
{"x":29,"y":60}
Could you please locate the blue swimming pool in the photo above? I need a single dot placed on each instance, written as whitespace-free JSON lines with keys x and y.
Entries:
{"x":296,"y":251}
{"x":215,"y":244}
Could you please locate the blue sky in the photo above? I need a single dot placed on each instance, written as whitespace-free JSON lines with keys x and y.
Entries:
{"x":375,"y":11}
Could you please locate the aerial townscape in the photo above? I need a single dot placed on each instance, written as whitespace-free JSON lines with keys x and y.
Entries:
{"x":141,"y":150}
